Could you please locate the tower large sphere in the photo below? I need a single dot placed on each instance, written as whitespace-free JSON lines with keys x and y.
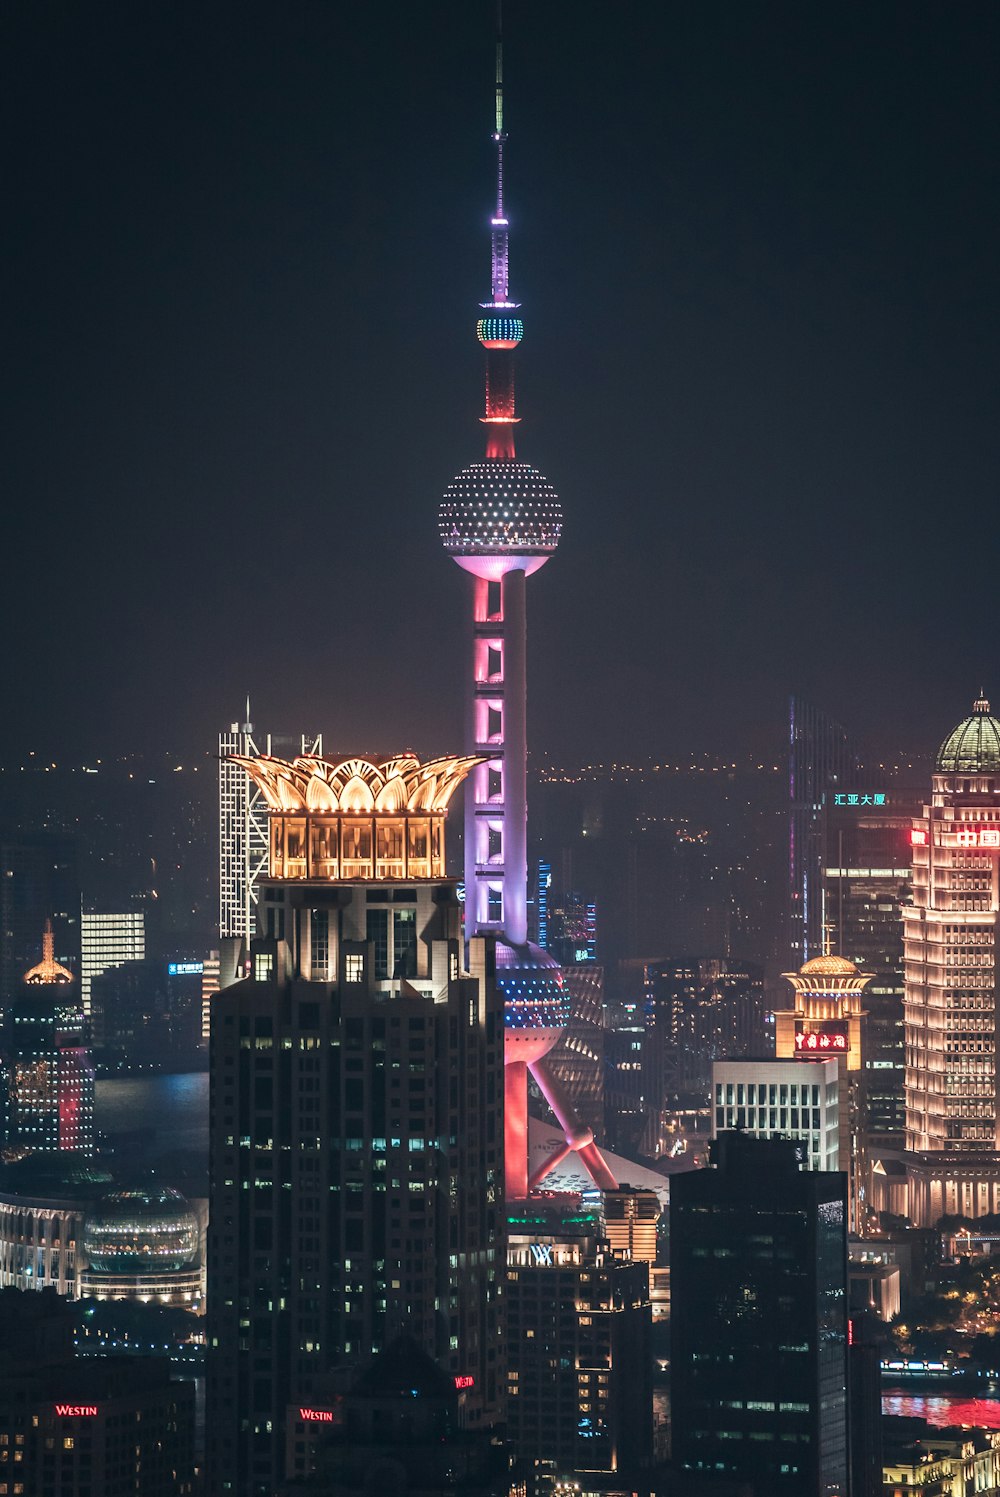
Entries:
{"x":498,"y":508}
{"x":536,"y":1001}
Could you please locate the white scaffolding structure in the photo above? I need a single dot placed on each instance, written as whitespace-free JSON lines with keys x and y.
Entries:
{"x":243,"y":844}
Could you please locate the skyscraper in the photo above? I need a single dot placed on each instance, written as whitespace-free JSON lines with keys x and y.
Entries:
{"x":39,"y":881}
{"x":820,"y":759}
{"x":828,"y":1021}
{"x":866,"y":882}
{"x":243,"y":823}
{"x":50,"y":1074}
{"x":501,"y":520}
{"x":952,"y":1077}
{"x":357,"y":1114}
{"x":758,"y":1326}
{"x":108,"y":940}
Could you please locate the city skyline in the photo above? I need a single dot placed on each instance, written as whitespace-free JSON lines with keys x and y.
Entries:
{"x":239,"y":326}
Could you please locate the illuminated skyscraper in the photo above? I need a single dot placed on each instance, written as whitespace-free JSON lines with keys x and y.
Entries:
{"x":39,"y":881}
{"x":243,"y":823}
{"x":828,"y":1022}
{"x":501,"y":520}
{"x":952,"y":1077}
{"x":108,"y":940}
{"x":356,"y":1134}
{"x":50,"y":1081}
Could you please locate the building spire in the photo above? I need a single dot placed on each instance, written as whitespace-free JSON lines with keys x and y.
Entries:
{"x":499,"y":332}
{"x":48,"y":969}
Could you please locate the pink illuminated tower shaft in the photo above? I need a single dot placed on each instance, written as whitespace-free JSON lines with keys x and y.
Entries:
{"x":501,"y":521}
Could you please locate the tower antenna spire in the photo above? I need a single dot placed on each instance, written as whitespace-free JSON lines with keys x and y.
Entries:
{"x":498,"y":133}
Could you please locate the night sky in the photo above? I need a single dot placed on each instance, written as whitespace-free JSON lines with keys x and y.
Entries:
{"x":756,"y":246}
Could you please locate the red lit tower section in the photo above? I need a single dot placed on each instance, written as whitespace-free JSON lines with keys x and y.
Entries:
{"x":501,"y":520}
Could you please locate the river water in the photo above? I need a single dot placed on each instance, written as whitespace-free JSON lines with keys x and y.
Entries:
{"x":941,"y":1409}
{"x":175,"y":1107}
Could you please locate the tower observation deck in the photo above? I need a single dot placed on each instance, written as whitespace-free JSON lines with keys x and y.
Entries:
{"x":501,"y":520}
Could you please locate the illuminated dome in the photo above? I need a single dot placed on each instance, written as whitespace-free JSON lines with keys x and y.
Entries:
{"x":828,"y":966}
{"x":499,"y":332}
{"x":149,"y":1230}
{"x":500,"y":508}
{"x":974,"y":746}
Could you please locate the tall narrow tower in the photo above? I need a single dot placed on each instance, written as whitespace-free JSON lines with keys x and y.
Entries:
{"x":501,"y":520}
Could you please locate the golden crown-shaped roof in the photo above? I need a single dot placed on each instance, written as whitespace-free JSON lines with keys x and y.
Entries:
{"x":309,"y":783}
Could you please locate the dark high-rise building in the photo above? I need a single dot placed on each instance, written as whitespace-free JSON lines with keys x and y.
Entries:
{"x":696,"y":1011}
{"x":113,"y":1426}
{"x":867,"y":882}
{"x":579,"y":1354}
{"x":759,"y":1320}
{"x":39,"y":881}
{"x":50,"y":1071}
{"x":356,"y":1115}
{"x":820,"y":761}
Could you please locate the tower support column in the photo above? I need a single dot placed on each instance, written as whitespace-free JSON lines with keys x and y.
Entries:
{"x":515,"y":740}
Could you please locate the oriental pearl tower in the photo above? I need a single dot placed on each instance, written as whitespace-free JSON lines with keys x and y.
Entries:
{"x":501,"y":520}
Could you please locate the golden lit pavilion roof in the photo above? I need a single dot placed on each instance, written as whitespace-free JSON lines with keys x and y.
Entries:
{"x":309,"y":783}
{"x":48,"y":969}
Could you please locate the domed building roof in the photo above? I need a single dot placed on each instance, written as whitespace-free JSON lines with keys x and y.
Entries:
{"x":974,"y":746}
{"x":500,"y":507}
{"x":828,"y":966}
{"x":146,"y":1230}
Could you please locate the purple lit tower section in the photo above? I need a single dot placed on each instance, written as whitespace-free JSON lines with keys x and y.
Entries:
{"x":501,"y":521}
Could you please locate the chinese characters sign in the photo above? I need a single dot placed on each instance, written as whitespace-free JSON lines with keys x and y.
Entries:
{"x":965,"y":836}
{"x":978,"y":836}
{"x":831,"y":1039}
{"x":859,"y":798}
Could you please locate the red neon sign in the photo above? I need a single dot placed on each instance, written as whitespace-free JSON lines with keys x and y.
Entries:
{"x":76,"y":1410}
{"x":322,"y":1416}
{"x":465,"y":1381}
{"x":818,"y":1042}
{"x":918,"y":839}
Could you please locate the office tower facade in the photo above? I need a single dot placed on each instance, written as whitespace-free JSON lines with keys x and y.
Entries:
{"x":571,"y":922}
{"x":500,"y":520}
{"x":793,"y":1099}
{"x":758,"y":1328}
{"x":821,"y":761}
{"x":828,"y":1022}
{"x":108,"y":940}
{"x":243,"y":849}
{"x":356,"y":1114}
{"x":867,"y":881}
{"x":39,"y":881}
{"x":950,"y":931}
{"x":696,"y":1010}
{"x":50,"y":1072}
{"x":579,"y":1390}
